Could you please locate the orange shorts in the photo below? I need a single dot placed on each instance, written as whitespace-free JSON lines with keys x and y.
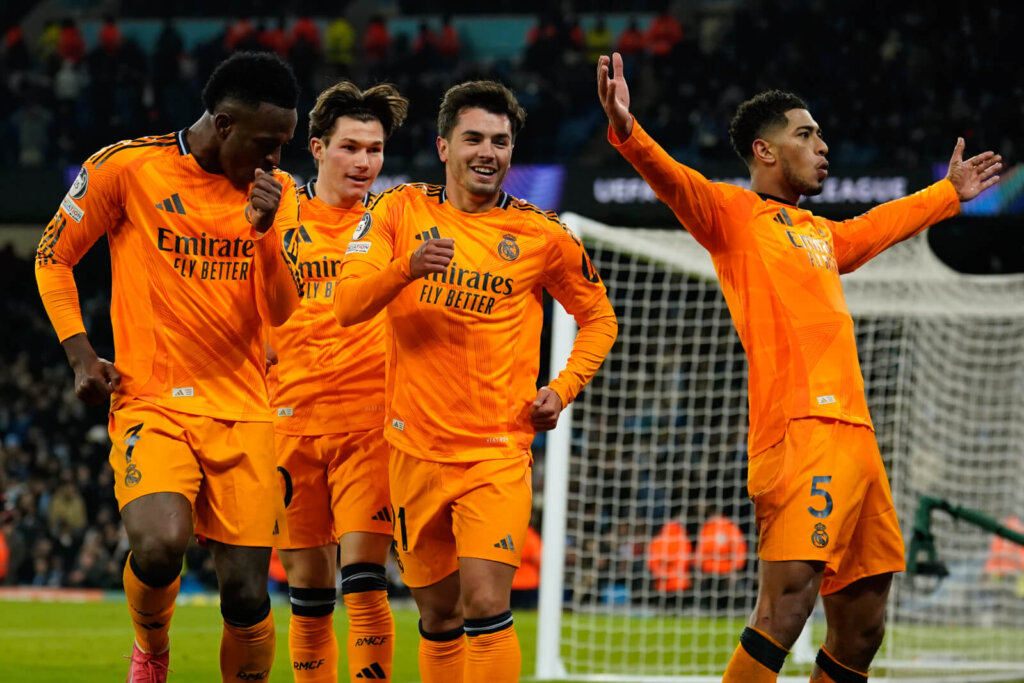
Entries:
{"x":224,"y":468}
{"x":334,"y":484}
{"x":822,"y":494}
{"x":444,"y":511}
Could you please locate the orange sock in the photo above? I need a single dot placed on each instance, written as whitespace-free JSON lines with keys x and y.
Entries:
{"x":151,"y":609}
{"x":247,"y":652}
{"x":757,"y":659}
{"x":833,"y":671}
{"x":492,"y":650}
{"x":442,"y":656}
{"x":371,"y":631}
{"x":312,"y":647}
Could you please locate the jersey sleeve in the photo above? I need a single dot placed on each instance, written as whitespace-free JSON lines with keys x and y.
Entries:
{"x":371,"y":275}
{"x":574,"y":282}
{"x":93,"y":205}
{"x":693,"y":198}
{"x":860,"y":239}
{"x":277,"y":262}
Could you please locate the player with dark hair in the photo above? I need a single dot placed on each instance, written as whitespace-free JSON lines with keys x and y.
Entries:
{"x":193,"y":221}
{"x":825,"y":517}
{"x":328,"y":391}
{"x":460,"y":269}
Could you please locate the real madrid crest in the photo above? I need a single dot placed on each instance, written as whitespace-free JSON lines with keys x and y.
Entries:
{"x":819,"y":537}
{"x":507,"y":248}
{"x":364,"y":226}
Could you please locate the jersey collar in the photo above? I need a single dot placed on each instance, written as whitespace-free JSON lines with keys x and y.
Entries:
{"x":504,"y":198}
{"x":769,"y":197}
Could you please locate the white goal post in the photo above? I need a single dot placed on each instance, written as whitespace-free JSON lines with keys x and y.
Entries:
{"x":660,"y":436}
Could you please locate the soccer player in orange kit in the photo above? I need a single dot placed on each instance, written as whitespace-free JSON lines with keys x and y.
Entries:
{"x":328,"y":391}
{"x":461,"y":269}
{"x":824,"y":510}
{"x":193,"y":221}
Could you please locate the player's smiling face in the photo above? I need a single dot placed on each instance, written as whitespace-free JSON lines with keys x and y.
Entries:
{"x":350,"y":157}
{"x":801,"y":150}
{"x":478,"y":153}
{"x":252,"y":138}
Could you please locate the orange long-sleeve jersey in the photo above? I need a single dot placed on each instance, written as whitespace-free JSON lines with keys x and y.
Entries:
{"x":463,"y":347}
{"x":329,"y":379}
{"x":779,"y":268}
{"x":192,"y":281}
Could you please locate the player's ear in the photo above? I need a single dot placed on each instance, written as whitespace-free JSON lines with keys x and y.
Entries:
{"x":763,"y":151}
{"x":442,"y":149}
{"x":223,"y":122}
{"x":316,"y":148}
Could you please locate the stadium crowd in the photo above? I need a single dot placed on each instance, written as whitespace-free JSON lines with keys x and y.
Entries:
{"x":905,"y":95}
{"x":895,"y":92}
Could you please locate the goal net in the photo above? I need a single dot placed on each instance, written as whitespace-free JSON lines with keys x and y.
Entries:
{"x":653,"y":454}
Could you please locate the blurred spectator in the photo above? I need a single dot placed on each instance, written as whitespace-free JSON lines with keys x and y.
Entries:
{"x":305,"y":31}
{"x":49,"y":39}
{"x":272,"y":37}
{"x":1006,"y":558}
{"x":241,"y":35}
{"x":449,"y":45}
{"x":110,"y":35}
{"x":5,"y":555}
{"x":67,"y":508}
{"x":32,"y":122}
{"x":70,"y":43}
{"x":599,"y":40}
{"x":376,"y":40}
{"x":339,"y":45}
{"x":631,"y":40}
{"x":669,"y":559}
{"x":526,"y":581}
{"x":721,"y":547}
{"x":424,"y":46}
{"x":15,"y":57}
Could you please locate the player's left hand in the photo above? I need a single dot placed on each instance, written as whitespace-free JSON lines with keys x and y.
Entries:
{"x":545,"y":409}
{"x":264,"y":197}
{"x":972,"y":176}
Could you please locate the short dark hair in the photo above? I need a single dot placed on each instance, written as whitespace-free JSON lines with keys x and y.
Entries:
{"x":757,"y":116}
{"x":490,"y":96}
{"x":381,"y":103}
{"x":252,"y":78}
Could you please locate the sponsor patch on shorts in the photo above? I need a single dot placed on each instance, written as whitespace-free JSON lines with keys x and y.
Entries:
{"x":285,"y":412}
{"x":398,"y":424}
{"x":358,"y":247}
{"x":183,"y":392}
{"x":825,"y":400}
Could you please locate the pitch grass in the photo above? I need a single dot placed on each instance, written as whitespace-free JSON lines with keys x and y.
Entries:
{"x":72,"y":642}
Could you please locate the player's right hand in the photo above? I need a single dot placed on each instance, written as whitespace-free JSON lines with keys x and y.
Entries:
{"x":614,"y":95}
{"x":96,"y":380}
{"x":433,"y":256}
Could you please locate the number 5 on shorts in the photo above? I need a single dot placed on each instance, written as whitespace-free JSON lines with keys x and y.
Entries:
{"x":817,"y":491}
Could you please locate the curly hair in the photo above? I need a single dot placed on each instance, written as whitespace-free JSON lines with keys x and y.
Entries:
{"x":759,"y":115}
{"x":381,"y":103}
{"x":490,"y":96}
{"x":252,"y":78}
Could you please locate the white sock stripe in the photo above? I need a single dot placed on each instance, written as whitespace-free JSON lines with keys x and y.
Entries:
{"x":361,"y":575}
{"x":310,"y":603}
{"x":487,"y":629}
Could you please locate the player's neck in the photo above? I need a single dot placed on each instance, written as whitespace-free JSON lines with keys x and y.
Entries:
{"x":202,"y":141}
{"x":470,"y":203}
{"x":769,"y":184}
{"x":326,"y":193}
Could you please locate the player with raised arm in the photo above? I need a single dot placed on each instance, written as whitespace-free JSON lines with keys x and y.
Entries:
{"x":328,"y":391}
{"x":461,"y":269}
{"x":825,"y":517}
{"x":193,"y":221}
